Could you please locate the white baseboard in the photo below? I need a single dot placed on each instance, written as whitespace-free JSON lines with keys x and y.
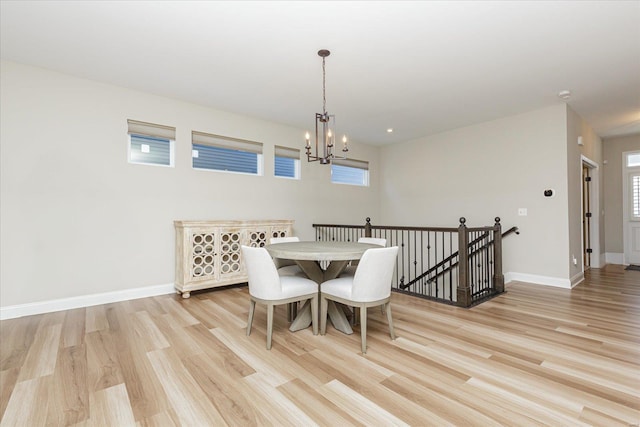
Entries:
{"x":577,"y":279}
{"x":13,"y":311}
{"x":614,"y":258}
{"x":540,"y":280}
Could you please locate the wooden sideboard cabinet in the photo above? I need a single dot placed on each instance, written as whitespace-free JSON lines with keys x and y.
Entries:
{"x":208,"y":252}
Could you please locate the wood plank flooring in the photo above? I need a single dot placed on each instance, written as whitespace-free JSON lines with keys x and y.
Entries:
{"x":533,"y":356}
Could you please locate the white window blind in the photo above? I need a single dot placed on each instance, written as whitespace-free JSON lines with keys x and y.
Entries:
{"x":151,"y":129}
{"x":350,"y":171}
{"x":222,"y":153}
{"x":150,"y":143}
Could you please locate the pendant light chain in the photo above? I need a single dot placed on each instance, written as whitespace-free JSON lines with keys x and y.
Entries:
{"x":324,"y":95}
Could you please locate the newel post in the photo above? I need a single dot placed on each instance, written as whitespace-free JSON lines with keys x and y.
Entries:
{"x":498,"y":277}
{"x":367,"y":228}
{"x":464,"y":287}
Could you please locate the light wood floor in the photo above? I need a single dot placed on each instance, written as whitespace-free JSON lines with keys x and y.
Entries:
{"x":535,"y":355}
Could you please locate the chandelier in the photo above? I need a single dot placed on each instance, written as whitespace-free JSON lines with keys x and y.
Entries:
{"x":325,"y":128}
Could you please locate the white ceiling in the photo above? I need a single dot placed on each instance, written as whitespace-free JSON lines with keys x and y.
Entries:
{"x":418,"y":67}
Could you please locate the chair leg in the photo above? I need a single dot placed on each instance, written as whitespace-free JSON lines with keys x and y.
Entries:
{"x":363,"y":328}
{"x":270,"y":308}
{"x":252,"y":308}
{"x":324,"y":306}
{"x":314,"y":314}
{"x":390,"y":320}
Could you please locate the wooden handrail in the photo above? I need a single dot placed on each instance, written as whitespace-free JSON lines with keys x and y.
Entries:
{"x":389,"y":227}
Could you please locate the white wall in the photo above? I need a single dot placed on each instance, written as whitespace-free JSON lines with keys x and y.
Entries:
{"x":78,"y":219}
{"x":488,"y":170}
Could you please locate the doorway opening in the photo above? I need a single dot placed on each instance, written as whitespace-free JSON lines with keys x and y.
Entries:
{"x":631,"y":207}
{"x":586,"y":217}
{"x":591,"y":257}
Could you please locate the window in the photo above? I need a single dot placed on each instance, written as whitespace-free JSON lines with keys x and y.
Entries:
{"x":287,"y":162}
{"x":633,"y":160}
{"x":222,"y":153}
{"x":349,"y":171}
{"x":635,"y":196}
{"x":151,"y":144}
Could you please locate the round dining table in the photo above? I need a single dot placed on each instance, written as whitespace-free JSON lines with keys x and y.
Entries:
{"x":320,"y":261}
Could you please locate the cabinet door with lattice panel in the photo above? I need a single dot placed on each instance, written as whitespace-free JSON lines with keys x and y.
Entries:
{"x":230,"y":259}
{"x":203,"y":254}
{"x":280,"y":231}
{"x":258,"y":237}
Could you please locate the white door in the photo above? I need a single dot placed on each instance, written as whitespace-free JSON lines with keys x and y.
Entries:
{"x":632,"y":219}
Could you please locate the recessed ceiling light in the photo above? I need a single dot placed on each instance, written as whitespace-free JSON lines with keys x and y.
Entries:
{"x":389,"y":130}
{"x":564,"y":95}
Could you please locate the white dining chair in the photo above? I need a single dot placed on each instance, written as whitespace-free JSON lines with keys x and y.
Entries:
{"x":268,"y":288}
{"x":369,"y":287}
{"x":350,"y":270}
{"x":373,"y":240}
{"x":286,"y":267}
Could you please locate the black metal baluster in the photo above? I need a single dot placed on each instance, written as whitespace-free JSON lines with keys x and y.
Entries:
{"x":430,"y":262}
{"x":486,"y":266}
{"x":451,"y":270}
{"x":437,"y":261}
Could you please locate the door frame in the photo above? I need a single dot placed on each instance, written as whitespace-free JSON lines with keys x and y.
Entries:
{"x":597,"y":258}
{"x":626,"y":202}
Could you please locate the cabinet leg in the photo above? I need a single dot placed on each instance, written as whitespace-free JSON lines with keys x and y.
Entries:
{"x":186,"y":295}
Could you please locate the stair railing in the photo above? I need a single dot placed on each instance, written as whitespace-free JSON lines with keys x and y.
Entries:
{"x":430,"y":264}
